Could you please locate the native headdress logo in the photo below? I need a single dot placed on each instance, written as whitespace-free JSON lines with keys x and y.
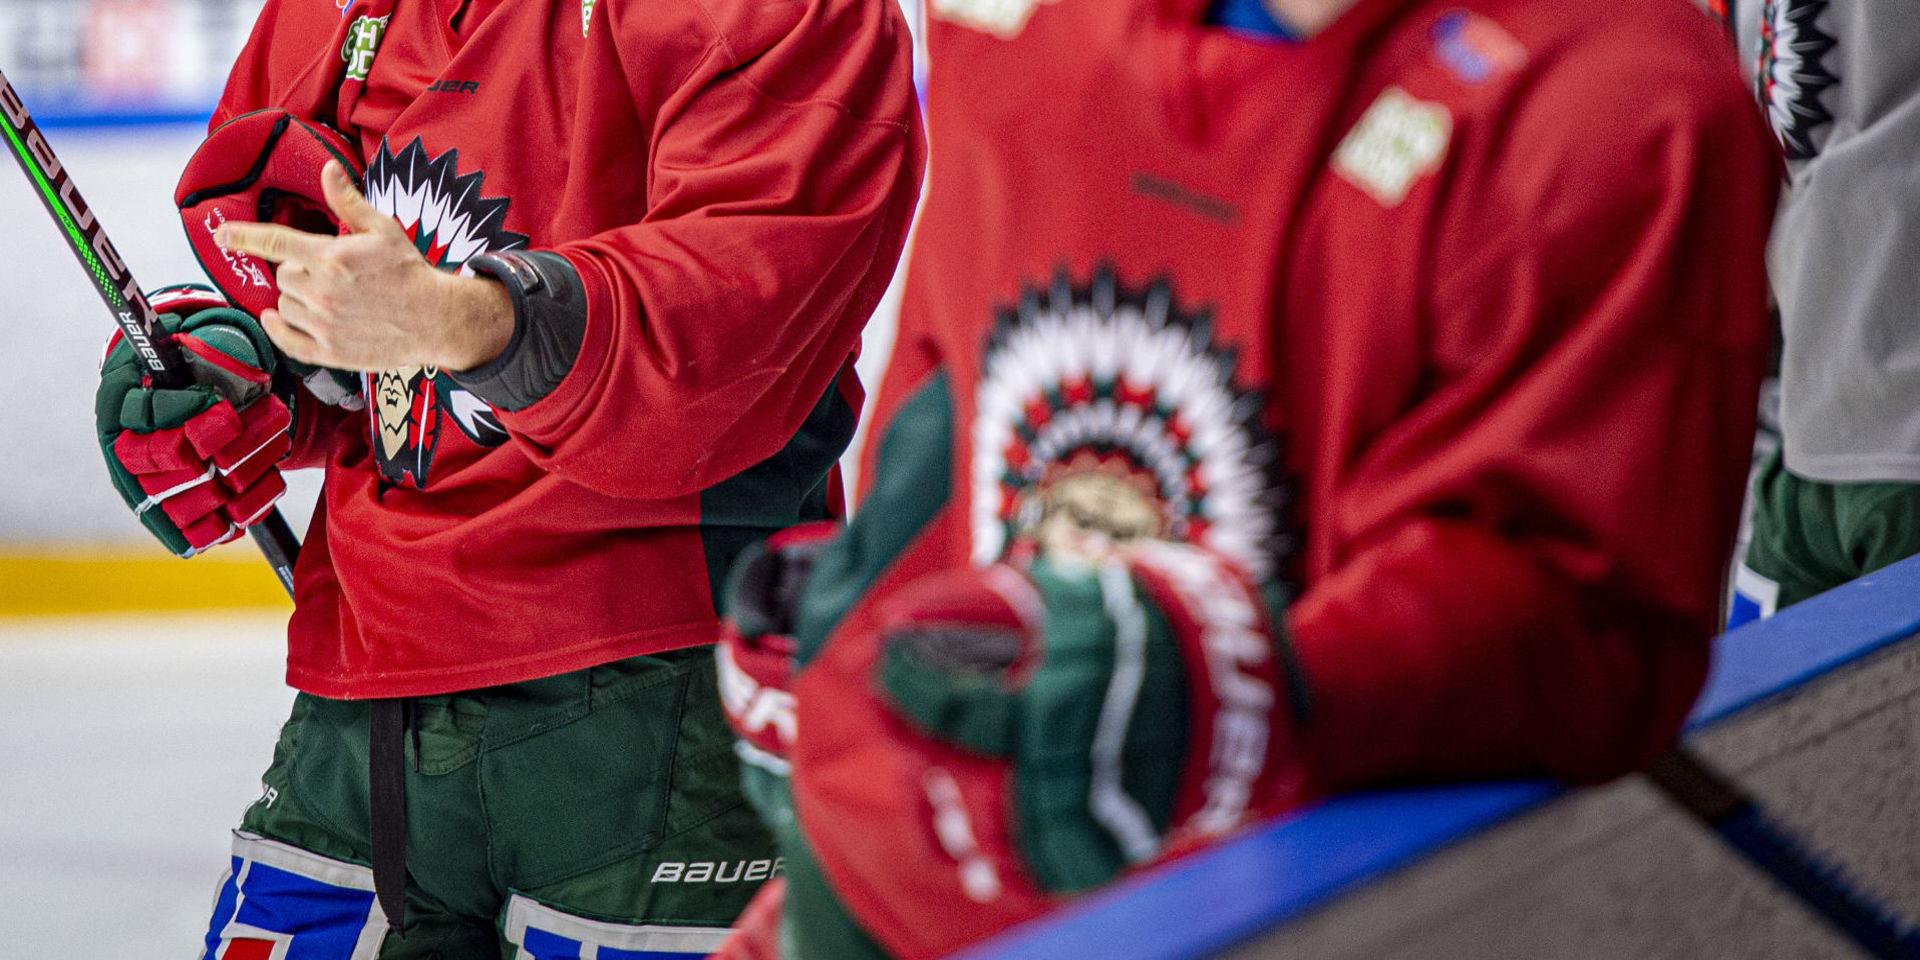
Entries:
{"x":1105,"y":415}
{"x":450,"y":222}
{"x":1793,"y":74}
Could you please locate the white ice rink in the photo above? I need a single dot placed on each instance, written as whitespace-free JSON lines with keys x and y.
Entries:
{"x":129,"y":748}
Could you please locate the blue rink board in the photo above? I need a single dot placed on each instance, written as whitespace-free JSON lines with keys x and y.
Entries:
{"x":1199,"y":906}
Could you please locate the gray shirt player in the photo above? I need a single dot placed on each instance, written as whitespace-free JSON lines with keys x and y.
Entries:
{"x":1840,"y":80}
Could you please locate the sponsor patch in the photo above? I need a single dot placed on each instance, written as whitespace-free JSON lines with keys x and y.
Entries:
{"x":279,"y":902}
{"x":1475,"y":48}
{"x":1397,"y":140}
{"x":363,"y":42}
{"x":540,"y":932}
{"x":1002,"y":18}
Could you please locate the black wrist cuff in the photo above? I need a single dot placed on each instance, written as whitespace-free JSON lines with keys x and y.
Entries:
{"x":549,"y":322}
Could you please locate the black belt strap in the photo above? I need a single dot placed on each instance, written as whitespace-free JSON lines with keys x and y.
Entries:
{"x":387,"y":808}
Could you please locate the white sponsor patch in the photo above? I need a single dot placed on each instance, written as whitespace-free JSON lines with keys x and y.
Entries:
{"x":1397,"y":140}
{"x":1002,"y":18}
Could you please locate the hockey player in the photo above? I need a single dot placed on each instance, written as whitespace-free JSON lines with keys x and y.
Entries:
{"x":596,"y":275}
{"x":1290,"y":398}
{"x":1840,"y":497}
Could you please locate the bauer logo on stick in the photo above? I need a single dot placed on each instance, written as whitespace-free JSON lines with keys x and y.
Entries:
{"x":104,"y":267}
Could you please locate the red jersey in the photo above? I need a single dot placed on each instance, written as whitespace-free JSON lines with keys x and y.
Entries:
{"x":732,"y":183}
{"x":1449,"y":318}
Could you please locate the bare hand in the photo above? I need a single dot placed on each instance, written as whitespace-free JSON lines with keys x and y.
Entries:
{"x":368,"y":300}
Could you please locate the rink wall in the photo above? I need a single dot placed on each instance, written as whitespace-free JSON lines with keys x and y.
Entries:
{"x":1815,"y":711}
{"x":123,"y":89}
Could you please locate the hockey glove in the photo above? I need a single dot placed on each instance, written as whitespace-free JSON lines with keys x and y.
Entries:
{"x":756,"y":672}
{"x":264,"y":167}
{"x":1138,"y":702}
{"x":989,"y":742}
{"x":756,"y":654}
{"x":197,"y":464}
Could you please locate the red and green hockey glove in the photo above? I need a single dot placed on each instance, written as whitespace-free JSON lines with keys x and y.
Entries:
{"x":1011,"y":737}
{"x":755,"y":657}
{"x":264,"y":167}
{"x":197,"y":464}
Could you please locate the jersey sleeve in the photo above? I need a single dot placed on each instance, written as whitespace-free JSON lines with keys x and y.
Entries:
{"x":1528,"y":564}
{"x":783,"y":175}
{"x":278,"y":51}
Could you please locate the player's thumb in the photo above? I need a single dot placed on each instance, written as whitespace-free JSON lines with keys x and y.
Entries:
{"x":348,"y":204}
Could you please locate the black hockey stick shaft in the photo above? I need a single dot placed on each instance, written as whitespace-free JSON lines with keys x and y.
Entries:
{"x":1715,"y":800}
{"x":88,"y":240}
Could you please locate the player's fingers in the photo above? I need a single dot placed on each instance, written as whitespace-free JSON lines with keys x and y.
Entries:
{"x":249,"y":505}
{"x":292,"y":279}
{"x":349,"y":204}
{"x":292,"y":340}
{"x":271,"y":242}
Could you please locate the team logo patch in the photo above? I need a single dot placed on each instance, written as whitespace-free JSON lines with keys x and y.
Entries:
{"x":1475,"y":48}
{"x":450,"y":222}
{"x":1107,"y":415}
{"x":1002,"y":18}
{"x":1398,"y":140}
{"x":283,"y":903}
{"x":363,"y":42}
{"x":586,"y":15}
{"x":540,"y":932}
{"x":1792,"y":74}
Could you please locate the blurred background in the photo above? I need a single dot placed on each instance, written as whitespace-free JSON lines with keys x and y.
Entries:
{"x":123,"y":89}
{"x":140,"y":695}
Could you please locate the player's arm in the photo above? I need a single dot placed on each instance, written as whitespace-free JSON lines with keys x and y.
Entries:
{"x":654,"y":359}
{"x":1529,"y":564}
{"x":279,"y":50}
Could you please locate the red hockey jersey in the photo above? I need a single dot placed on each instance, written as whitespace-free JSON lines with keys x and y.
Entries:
{"x":1450,"y":317}
{"x":731,"y":180}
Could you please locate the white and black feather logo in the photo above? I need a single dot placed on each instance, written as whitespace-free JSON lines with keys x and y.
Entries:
{"x":1107,"y":414}
{"x":451,"y":222}
{"x":1793,"y":74}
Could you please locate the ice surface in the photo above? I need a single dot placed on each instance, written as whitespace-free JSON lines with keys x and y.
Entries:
{"x":129,"y":748}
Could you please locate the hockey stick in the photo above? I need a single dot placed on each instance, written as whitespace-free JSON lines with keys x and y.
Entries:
{"x":1715,"y":800}
{"x":118,"y":290}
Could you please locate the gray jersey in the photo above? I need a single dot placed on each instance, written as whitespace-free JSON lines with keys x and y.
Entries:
{"x":1840,"y":80}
